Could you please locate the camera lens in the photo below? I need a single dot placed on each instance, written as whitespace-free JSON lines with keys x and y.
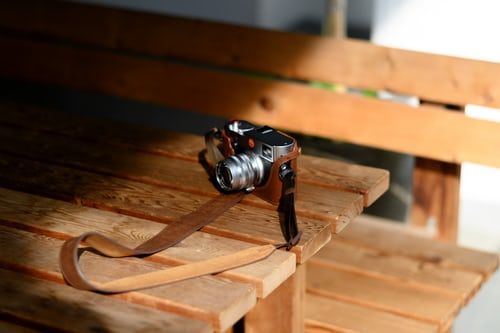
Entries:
{"x":241,"y":171}
{"x":226,"y":176}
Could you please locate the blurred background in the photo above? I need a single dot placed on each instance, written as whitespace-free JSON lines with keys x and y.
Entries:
{"x":461,"y":28}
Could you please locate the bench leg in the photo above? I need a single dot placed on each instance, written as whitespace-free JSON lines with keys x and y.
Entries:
{"x":282,"y":310}
{"x":436,"y":187}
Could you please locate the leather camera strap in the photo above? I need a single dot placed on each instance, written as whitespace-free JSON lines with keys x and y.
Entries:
{"x":169,"y":236}
{"x":286,"y":208}
{"x":175,"y":232}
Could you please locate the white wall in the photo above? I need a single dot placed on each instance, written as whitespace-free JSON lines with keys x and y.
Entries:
{"x":465,"y":28}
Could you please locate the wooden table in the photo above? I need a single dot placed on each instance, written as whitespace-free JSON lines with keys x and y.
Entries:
{"x":61,"y":176}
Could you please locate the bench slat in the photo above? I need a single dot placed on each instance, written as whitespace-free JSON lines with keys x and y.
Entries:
{"x":41,"y":303}
{"x":370,"y":182}
{"x":70,"y":220}
{"x":432,"y":77}
{"x":387,"y":267}
{"x":325,"y":314}
{"x":391,"y":238}
{"x":432,"y":306}
{"x":329,"y":205}
{"x":354,"y":119}
{"x":392,"y":266}
{"x":197,"y":298}
{"x":149,"y":202}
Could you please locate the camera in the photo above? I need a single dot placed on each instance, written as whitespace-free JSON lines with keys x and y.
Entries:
{"x":256,"y":157}
{"x":261,"y":160}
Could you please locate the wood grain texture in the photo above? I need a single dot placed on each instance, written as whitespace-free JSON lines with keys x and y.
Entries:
{"x":284,"y":310}
{"x":197,"y":298}
{"x":398,"y":240}
{"x":431,"y":77}
{"x":374,"y":123}
{"x":251,"y":224}
{"x":66,"y":220}
{"x":42,"y":302}
{"x":436,"y":197}
{"x":386,"y":267}
{"x":328,"y":205}
{"x":431,"y":306}
{"x":367,"y":181}
{"x":398,"y":268}
{"x":325,"y":314}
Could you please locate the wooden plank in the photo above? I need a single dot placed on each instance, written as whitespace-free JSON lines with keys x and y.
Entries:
{"x":55,"y":307}
{"x":331,"y":315}
{"x":325,"y":204}
{"x":370,"y":122}
{"x":70,"y":220}
{"x":283,"y":311}
{"x":431,"y":77}
{"x":245,"y":222}
{"x":370,"y":182}
{"x":431,"y":306}
{"x":398,"y":240}
{"x":197,"y":298}
{"x":436,"y":197}
{"x":314,"y":202}
{"x":394,"y":267}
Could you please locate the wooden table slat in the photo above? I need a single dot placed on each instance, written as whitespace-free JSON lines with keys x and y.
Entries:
{"x":331,"y":315}
{"x":395,"y":297}
{"x":392,"y":266}
{"x":197,"y":298}
{"x":49,"y":306}
{"x":185,"y":176}
{"x":391,"y":238}
{"x":333,"y":206}
{"x":367,"y":181}
{"x":386,"y":267}
{"x":65,"y":220}
{"x":161,"y":204}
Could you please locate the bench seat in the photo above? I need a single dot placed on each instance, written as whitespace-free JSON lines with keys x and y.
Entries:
{"x":378,"y":276}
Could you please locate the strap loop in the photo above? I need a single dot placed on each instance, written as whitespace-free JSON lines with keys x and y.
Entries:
{"x":169,"y":236}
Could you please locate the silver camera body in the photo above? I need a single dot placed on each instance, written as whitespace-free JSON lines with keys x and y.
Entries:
{"x":256,"y":149}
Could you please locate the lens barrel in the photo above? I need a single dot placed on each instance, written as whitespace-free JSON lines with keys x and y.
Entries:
{"x":238,"y":172}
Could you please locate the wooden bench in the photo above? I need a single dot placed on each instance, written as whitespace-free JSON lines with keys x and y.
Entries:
{"x":370,"y":271}
{"x":61,"y":175}
{"x":150,"y":58}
